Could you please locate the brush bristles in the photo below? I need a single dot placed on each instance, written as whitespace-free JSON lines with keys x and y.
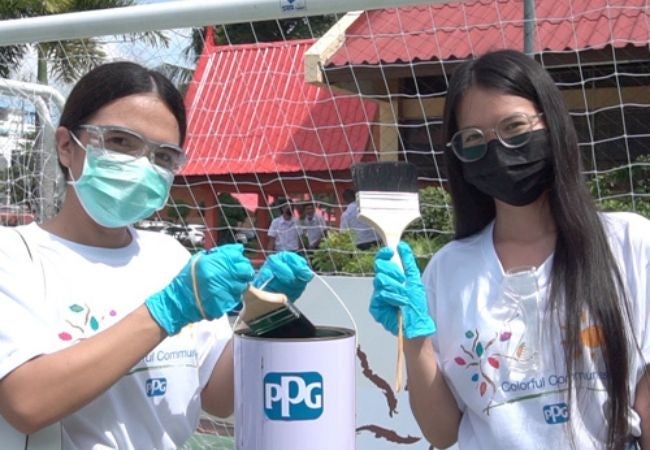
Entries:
{"x":274,"y":319}
{"x":385,"y":176}
{"x":285,"y":322}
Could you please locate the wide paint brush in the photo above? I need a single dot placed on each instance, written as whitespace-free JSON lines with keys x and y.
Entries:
{"x":272,"y":315}
{"x":387,"y":199}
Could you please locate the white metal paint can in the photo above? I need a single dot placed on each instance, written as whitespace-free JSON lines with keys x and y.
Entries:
{"x":295,"y":394}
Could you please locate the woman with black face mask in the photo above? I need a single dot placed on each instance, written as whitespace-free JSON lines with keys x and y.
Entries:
{"x":541,"y":299}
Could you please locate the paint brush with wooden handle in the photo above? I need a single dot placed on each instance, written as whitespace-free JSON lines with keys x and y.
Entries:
{"x":387,"y":199}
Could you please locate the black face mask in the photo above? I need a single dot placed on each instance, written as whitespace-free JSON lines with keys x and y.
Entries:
{"x":517,"y":176}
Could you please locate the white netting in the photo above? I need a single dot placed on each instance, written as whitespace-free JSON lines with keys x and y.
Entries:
{"x":282,"y":109}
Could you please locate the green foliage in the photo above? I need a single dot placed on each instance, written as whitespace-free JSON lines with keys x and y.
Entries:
{"x":10,"y":56}
{"x":437,"y":217}
{"x":231,"y":213}
{"x":231,"y":210}
{"x":427,"y":235}
{"x":424,"y":247}
{"x":361,"y":263}
{"x":624,"y":188}
{"x":178,"y":211}
{"x":337,"y":252}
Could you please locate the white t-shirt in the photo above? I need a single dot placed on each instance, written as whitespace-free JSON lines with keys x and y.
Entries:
{"x":70,"y":292}
{"x":314,"y":228}
{"x":286,"y":233}
{"x":476,"y":346}
{"x":363,"y":232}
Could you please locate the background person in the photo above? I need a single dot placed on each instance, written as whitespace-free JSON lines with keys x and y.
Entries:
{"x":365,"y":236}
{"x":284,"y":231}
{"x":94,"y":312}
{"x":520,"y":200}
{"x":313,"y":226}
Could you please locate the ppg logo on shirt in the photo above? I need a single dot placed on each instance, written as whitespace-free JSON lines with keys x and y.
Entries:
{"x":557,"y":413}
{"x":293,"y":396}
{"x":156,"y":387}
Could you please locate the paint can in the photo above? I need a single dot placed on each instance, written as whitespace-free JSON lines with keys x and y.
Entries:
{"x":295,"y":394}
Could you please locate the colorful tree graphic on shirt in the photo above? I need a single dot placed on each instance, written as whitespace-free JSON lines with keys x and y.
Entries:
{"x":475,"y":358}
{"x":84,"y":321}
{"x":479,"y":355}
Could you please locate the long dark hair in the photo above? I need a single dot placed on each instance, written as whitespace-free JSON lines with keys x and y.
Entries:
{"x":112,"y":81}
{"x":585,"y":277}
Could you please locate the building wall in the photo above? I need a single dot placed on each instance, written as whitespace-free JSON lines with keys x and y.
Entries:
{"x":576,"y":99}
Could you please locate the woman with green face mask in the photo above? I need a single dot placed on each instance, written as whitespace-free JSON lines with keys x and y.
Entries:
{"x":95,"y":337}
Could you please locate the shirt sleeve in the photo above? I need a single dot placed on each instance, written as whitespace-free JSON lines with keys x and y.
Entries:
{"x":21,"y":303}
{"x":646,"y":324}
{"x":429,"y":289}
{"x":212,"y":337}
{"x":642,"y":303}
{"x":273,"y":229}
{"x":345,"y":223}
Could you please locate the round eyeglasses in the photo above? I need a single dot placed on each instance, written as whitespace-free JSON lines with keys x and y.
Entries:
{"x":470,"y":144}
{"x":123,"y":140}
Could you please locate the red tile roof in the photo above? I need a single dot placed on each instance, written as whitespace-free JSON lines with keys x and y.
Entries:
{"x":250,"y":111}
{"x":459,"y":30}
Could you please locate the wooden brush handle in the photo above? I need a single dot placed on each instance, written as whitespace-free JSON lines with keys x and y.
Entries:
{"x":399,"y":365}
{"x":391,"y":241}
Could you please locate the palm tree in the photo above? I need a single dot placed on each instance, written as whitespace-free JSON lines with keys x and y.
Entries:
{"x":67,"y":60}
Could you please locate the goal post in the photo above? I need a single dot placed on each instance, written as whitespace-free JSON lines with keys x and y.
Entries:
{"x":283,"y":97}
{"x":173,"y":15}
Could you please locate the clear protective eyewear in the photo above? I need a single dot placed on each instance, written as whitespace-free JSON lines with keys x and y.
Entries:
{"x":123,"y":140}
{"x":470,"y":144}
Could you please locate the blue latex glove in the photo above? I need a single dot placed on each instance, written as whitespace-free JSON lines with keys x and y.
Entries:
{"x":395,"y":291}
{"x":289,"y":274}
{"x":221,"y":275}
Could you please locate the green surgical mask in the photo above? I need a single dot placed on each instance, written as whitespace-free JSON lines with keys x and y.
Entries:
{"x":117,"y":190}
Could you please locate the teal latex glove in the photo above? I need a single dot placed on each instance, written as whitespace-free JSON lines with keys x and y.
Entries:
{"x":210,"y":285}
{"x":395,"y":291}
{"x":288,"y":273}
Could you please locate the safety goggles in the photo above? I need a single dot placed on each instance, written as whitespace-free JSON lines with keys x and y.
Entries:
{"x":129,"y":142}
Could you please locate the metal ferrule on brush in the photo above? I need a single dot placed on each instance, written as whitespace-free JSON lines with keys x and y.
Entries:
{"x":274,"y":320}
{"x":388,"y":200}
{"x":390,"y":211}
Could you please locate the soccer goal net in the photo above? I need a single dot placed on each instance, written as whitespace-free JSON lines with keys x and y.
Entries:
{"x":281,"y":107}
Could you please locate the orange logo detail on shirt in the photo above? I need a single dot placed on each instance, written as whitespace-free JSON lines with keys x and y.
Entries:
{"x":591,"y":335}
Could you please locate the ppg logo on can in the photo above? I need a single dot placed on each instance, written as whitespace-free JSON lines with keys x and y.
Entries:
{"x":293,"y":396}
{"x":156,"y":387}
{"x":557,"y":413}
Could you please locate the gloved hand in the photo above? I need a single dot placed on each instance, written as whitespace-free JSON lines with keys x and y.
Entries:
{"x":210,"y":285}
{"x":395,"y":291}
{"x":289,"y":274}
